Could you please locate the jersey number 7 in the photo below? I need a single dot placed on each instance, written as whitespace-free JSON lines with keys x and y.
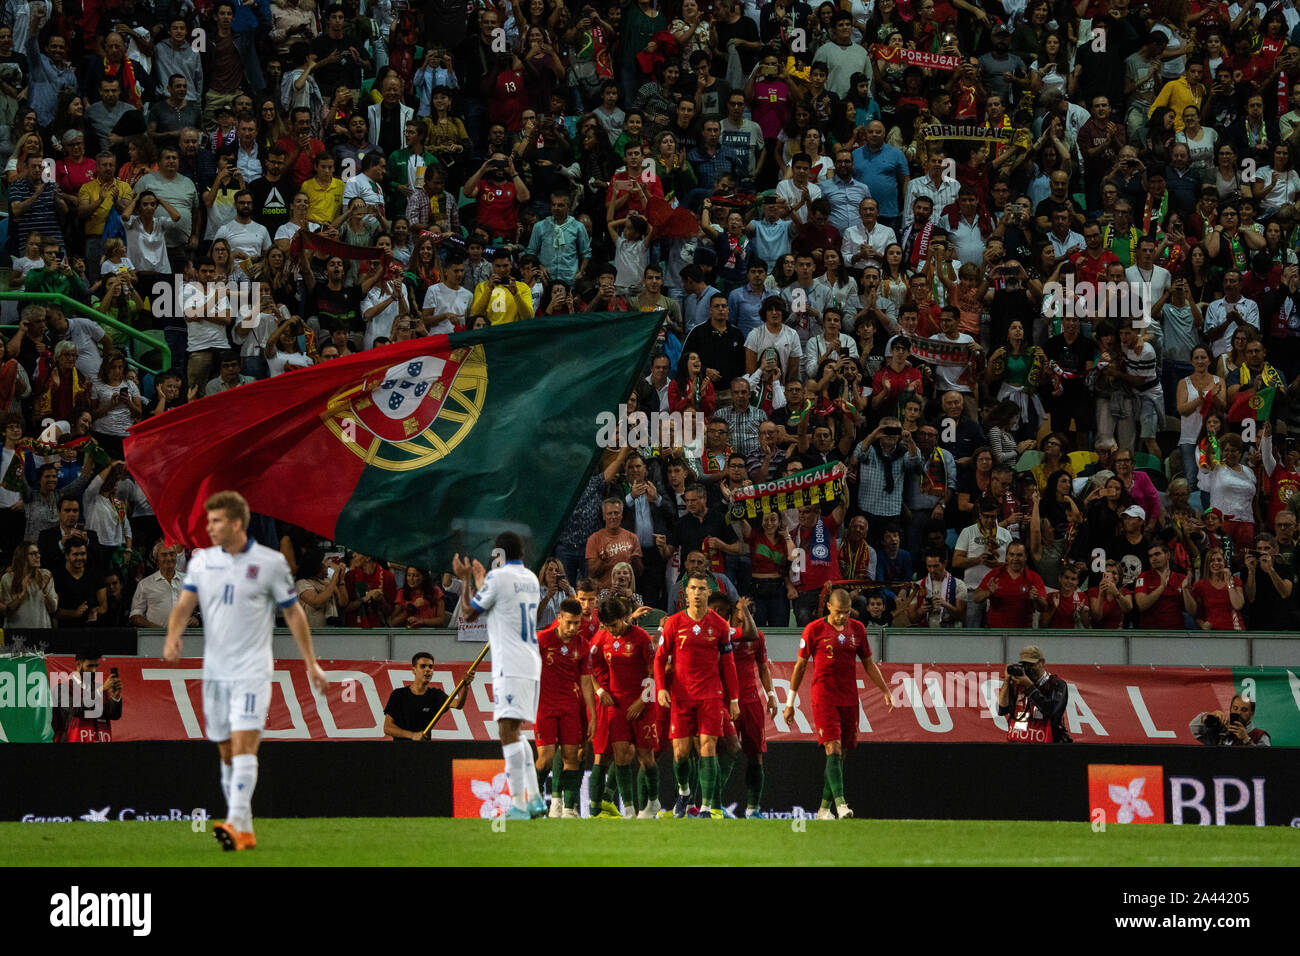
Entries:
{"x":528,"y":623}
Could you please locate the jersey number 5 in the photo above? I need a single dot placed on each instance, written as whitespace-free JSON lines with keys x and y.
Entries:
{"x":528,"y":624}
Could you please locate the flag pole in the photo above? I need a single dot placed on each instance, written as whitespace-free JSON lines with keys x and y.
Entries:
{"x":447,"y":703}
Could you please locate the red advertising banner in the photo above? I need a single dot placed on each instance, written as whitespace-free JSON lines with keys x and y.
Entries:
{"x":949,"y":702}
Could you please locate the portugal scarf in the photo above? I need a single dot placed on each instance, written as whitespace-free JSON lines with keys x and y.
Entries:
{"x":935,"y":483}
{"x":126,"y":78}
{"x":812,"y":486}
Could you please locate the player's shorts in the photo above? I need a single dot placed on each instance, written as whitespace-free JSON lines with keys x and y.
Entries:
{"x":688,"y":720}
{"x":835,"y":723}
{"x":514,"y":698}
{"x":234,"y":705}
{"x":612,"y":726}
{"x":563,"y":727}
{"x":752,"y":725}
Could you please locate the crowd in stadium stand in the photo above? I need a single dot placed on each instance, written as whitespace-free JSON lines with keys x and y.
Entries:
{"x":1027,"y":269}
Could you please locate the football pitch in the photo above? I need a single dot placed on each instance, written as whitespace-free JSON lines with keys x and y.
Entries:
{"x":426,"y":841}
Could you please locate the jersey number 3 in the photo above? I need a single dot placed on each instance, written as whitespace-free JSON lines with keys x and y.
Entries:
{"x":528,"y":623}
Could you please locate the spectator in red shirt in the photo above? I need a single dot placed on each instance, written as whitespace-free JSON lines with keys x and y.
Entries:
{"x":372,"y":591}
{"x":499,"y":191}
{"x":1108,"y":601}
{"x":1067,"y":607}
{"x":1013,"y":591}
{"x":300,"y":148}
{"x":1159,"y":593}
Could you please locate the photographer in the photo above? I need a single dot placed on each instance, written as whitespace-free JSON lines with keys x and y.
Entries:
{"x":1214,"y":728}
{"x":85,"y":712}
{"x":1034,"y":700}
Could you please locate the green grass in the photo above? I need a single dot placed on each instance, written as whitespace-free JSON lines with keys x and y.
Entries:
{"x":434,"y":841}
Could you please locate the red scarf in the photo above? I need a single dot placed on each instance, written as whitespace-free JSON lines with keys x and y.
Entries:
{"x":126,"y":77}
{"x":922,"y":247}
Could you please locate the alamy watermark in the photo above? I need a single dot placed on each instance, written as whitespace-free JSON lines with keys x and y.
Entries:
{"x":183,"y":298}
{"x":82,"y":692}
{"x":1099,"y":300}
{"x":638,"y":429}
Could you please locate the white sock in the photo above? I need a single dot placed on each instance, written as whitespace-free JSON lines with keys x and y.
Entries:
{"x":243,"y":780}
{"x":516,"y":755}
{"x":534,"y":788}
{"x":225,"y":783}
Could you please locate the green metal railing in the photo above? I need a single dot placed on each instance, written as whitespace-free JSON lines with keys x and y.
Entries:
{"x":147,"y":340}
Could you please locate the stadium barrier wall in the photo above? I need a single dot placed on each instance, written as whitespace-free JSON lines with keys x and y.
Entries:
{"x":935,"y":702}
{"x":1099,"y":784}
{"x":953,"y":646}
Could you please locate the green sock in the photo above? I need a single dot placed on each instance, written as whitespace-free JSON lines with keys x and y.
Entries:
{"x":557,"y":768}
{"x":596,"y":787}
{"x":754,"y":785}
{"x":827,"y":796}
{"x":682,"y":774}
{"x":626,"y":774}
{"x":542,"y":774}
{"x":708,"y":780}
{"x":835,"y":775}
{"x":696,"y":794}
{"x":570,"y":783}
{"x":651,"y":776}
{"x":642,"y":790}
{"x":611,"y":788}
{"x":726,"y":761}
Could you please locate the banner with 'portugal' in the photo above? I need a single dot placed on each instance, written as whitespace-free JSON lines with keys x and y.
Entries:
{"x":410,"y":452}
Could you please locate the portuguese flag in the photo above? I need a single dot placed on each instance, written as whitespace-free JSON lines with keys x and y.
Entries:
{"x":1252,"y":405}
{"x":410,"y":452}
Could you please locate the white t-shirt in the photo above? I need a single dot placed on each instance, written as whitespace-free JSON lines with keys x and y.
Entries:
{"x":791,"y":193}
{"x":509,"y":599}
{"x":945,"y":376}
{"x":1158,"y":279}
{"x":442,"y":298}
{"x":786,"y":342}
{"x":284,"y":361}
{"x":238,"y":594}
{"x":380,"y":325}
{"x":149,"y":249}
{"x":108,"y":267}
{"x":973,"y":543}
{"x":117,"y":420}
{"x":247,"y":240}
{"x":86,"y":336}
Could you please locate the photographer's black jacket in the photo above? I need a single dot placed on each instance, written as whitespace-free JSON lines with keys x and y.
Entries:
{"x":1050,"y":696}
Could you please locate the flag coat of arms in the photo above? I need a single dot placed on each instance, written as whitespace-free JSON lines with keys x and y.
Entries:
{"x":410,"y":452}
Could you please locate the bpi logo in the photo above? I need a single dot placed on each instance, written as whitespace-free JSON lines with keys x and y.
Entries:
{"x":1126,"y":793}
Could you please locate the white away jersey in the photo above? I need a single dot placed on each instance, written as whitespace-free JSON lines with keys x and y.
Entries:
{"x":509,"y":599}
{"x":238,"y":595}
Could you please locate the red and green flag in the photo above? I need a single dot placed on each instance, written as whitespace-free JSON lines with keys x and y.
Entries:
{"x":410,"y":452}
{"x":1256,"y":405}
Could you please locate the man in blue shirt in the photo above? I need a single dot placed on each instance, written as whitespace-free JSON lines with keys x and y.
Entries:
{"x":884,"y":170}
{"x":744,"y":303}
{"x":844,"y":191}
{"x":560,"y":242}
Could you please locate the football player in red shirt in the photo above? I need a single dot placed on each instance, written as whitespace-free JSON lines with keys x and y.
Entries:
{"x":622,"y":672}
{"x":832,"y":643}
{"x":750,"y":649}
{"x":696,"y":677}
{"x":561,"y":714}
{"x":603,"y":804}
{"x":729,"y":742}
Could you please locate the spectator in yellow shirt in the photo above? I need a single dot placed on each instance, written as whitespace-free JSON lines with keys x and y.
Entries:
{"x":94,"y":200}
{"x":324,"y":192}
{"x":1187,"y":90}
{"x":500,"y":296}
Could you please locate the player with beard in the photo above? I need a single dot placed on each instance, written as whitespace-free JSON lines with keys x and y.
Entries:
{"x":695,"y":674}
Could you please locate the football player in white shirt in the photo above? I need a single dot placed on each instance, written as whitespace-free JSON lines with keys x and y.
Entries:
{"x":509,"y":596}
{"x":238,"y":583}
